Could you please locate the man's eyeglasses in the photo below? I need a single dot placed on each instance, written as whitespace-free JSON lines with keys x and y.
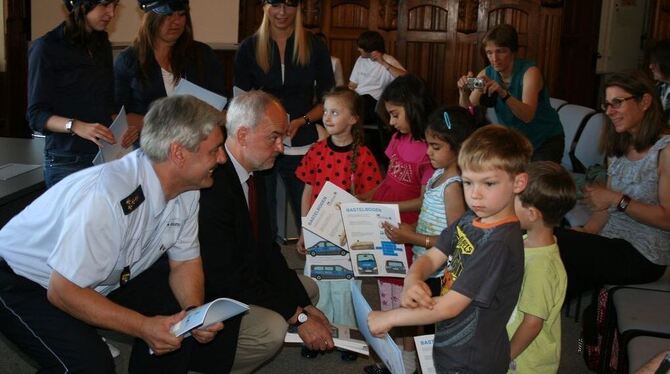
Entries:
{"x":291,"y":3}
{"x":615,"y":103}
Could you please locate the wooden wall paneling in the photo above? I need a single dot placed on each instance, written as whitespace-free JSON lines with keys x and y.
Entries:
{"x":577,"y":81}
{"x":342,"y":22}
{"x":549,"y":46}
{"x":423,"y":44}
{"x":520,"y":14}
{"x":17,"y":24}
{"x":661,"y":20}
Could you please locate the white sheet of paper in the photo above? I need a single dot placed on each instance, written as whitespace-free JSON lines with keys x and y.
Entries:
{"x":111,"y":152}
{"x":9,"y":171}
{"x":324,"y":218}
{"x":385,"y":347}
{"x":424,"y":349}
{"x":184,"y":87}
{"x":215,"y":311}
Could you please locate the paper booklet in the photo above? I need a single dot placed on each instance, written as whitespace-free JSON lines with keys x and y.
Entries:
{"x":372,"y":253}
{"x":385,"y":347}
{"x":424,"y":349}
{"x":110,"y":152}
{"x":208,"y":314}
{"x":185,"y":87}
{"x":344,"y":237}
{"x":343,"y":337}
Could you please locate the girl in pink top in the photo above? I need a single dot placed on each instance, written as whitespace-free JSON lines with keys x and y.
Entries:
{"x":406,"y":104}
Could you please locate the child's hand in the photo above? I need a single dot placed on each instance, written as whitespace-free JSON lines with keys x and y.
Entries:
{"x":379,"y":323}
{"x":416,"y":295}
{"x":400,"y":234}
{"x":300,"y":245}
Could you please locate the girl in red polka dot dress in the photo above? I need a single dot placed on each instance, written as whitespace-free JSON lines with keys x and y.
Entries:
{"x":343,"y":160}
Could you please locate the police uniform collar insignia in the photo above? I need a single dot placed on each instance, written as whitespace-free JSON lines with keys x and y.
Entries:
{"x":135,"y":199}
{"x":125,"y":276}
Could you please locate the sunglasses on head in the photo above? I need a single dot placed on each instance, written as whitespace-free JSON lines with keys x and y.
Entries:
{"x":291,"y":3}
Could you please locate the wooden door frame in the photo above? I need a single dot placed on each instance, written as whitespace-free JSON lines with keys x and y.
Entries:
{"x":17,"y":36}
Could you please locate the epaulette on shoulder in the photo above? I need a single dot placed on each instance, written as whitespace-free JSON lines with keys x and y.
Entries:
{"x":135,"y":199}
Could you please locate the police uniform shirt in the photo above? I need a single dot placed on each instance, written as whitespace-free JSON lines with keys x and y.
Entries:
{"x":95,"y":223}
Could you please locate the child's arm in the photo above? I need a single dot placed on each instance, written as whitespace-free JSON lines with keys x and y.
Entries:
{"x":305,"y":203}
{"x":529,"y":328}
{"x":416,"y":292}
{"x":412,"y":205}
{"x":447,"y":306}
{"x":454,"y":202}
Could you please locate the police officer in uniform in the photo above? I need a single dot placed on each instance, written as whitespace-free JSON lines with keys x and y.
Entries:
{"x":116,"y":247}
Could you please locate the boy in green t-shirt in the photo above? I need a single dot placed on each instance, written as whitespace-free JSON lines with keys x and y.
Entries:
{"x":535,"y":325}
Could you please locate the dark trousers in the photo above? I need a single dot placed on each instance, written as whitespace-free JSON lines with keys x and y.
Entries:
{"x":285,"y":167}
{"x":60,"y":343}
{"x":551,"y":150}
{"x":593,"y":260}
{"x":376,"y":139}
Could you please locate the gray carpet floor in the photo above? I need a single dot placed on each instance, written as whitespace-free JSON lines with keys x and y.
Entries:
{"x":289,"y":360}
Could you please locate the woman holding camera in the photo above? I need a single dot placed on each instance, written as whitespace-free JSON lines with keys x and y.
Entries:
{"x":515,"y":88}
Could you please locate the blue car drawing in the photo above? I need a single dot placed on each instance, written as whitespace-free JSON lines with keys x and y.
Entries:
{"x":393,"y":266}
{"x":330,"y":272}
{"x":366,"y":263}
{"x":326,"y":248}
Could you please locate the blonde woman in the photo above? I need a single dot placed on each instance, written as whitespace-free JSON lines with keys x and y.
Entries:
{"x":286,"y":60}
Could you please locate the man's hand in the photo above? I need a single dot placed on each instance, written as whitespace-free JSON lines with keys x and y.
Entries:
{"x":315,"y":333}
{"x":156,"y":332}
{"x":206,"y":335}
{"x":416,"y":294}
{"x":379,"y":323}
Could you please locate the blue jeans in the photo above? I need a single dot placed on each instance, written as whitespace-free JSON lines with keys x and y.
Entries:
{"x":60,"y":164}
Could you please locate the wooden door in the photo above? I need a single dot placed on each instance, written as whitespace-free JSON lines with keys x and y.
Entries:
{"x":425,"y":44}
{"x":578,"y":82}
{"x":17,"y":13}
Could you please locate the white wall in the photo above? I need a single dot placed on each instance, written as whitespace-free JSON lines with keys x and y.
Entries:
{"x":2,"y":37}
{"x":214,"y":21}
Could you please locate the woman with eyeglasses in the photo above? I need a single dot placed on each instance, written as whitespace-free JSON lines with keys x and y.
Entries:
{"x":71,"y":88}
{"x":286,"y":60}
{"x":627,"y":239}
{"x":163,"y":53}
{"x":515,"y":89}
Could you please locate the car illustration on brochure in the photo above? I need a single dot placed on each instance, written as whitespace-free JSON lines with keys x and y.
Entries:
{"x":326,"y":248}
{"x":366,"y":263}
{"x":330,"y":272}
{"x":394,"y":266}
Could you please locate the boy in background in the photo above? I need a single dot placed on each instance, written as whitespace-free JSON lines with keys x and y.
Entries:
{"x":481,"y":289}
{"x":535,"y":325}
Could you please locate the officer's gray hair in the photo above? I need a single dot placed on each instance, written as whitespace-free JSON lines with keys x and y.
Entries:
{"x":247,"y":110}
{"x":178,"y":119}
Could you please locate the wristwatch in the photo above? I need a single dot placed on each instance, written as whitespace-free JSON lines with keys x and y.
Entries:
{"x":507,"y":96}
{"x":68,"y":126}
{"x":302,"y":318}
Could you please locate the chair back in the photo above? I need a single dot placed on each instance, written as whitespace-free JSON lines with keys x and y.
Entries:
{"x":585,"y":145}
{"x":556,"y":103}
{"x":572,"y":117}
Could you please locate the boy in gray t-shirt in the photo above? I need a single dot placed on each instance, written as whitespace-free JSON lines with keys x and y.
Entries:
{"x":479,"y":293}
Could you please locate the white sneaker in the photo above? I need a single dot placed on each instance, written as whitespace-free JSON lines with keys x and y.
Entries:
{"x":112,"y":349}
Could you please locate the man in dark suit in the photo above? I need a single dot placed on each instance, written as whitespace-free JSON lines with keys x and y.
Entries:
{"x":240,"y":258}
